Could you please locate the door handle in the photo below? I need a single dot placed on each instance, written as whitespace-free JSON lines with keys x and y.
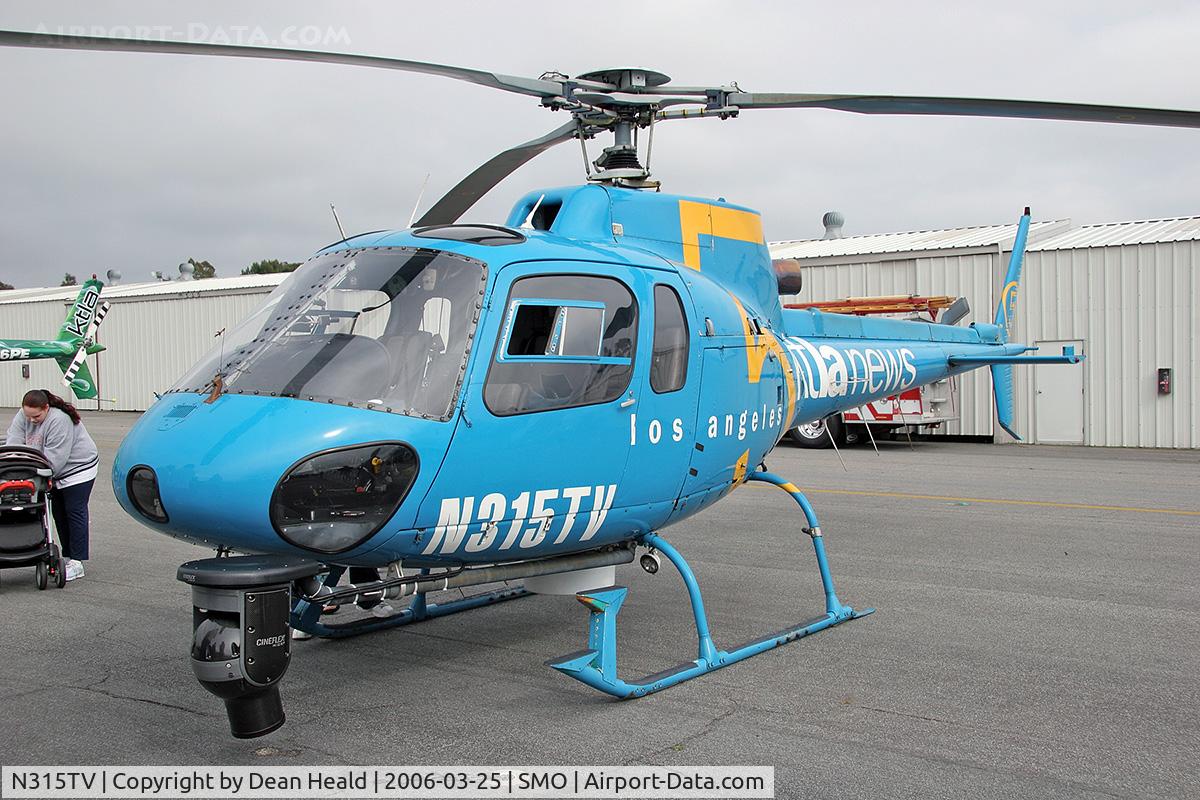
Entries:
{"x":627,"y":402}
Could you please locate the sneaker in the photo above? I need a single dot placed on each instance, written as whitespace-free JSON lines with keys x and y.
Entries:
{"x":382,"y":610}
{"x":74,"y":569}
{"x":299,"y":635}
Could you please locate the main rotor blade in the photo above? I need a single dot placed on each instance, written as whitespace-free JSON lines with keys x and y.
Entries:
{"x":969,"y":107}
{"x":456,"y":202}
{"x":509,"y":83}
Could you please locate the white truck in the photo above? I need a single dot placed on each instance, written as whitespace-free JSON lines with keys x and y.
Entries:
{"x":921,"y":407}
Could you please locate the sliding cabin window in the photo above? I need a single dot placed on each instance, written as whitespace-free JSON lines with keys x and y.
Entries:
{"x":566,"y":341}
{"x":669,"y":354}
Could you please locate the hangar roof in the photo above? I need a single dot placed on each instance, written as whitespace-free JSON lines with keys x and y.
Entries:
{"x":878,"y":243}
{"x":1051,"y":235}
{"x":141,"y":291}
{"x":1111,"y":234}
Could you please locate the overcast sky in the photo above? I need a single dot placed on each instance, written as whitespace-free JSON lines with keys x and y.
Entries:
{"x":138,"y":162}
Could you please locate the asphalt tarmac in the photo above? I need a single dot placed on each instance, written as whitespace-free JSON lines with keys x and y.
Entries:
{"x":1038,"y":635}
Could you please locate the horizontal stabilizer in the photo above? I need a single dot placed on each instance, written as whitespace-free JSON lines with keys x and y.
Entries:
{"x":1068,"y":357}
{"x":1002,"y":377}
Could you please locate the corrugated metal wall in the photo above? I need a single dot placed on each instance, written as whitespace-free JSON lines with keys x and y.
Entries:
{"x":151,"y":342}
{"x":972,"y":276}
{"x":1135,"y":308}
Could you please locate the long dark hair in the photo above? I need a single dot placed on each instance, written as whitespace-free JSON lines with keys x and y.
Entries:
{"x":41,"y":398}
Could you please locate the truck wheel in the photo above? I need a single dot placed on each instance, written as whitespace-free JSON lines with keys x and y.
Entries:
{"x":854,"y":434}
{"x":815,"y":435}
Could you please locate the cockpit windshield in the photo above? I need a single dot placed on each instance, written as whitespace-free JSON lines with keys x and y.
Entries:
{"x":386,"y":328}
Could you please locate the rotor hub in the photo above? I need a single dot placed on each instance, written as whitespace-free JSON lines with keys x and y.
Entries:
{"x":626,"y":78}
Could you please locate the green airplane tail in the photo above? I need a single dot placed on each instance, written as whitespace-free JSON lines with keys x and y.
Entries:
{"x":82,"y":311}
{"x":85,"y":313}
{"x":82,"y":384}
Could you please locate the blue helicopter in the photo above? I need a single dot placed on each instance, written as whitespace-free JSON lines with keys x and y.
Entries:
{"x":463,"y":404}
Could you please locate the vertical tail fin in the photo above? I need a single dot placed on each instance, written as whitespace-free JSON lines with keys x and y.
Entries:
{"x":80,"y":381}
{"x":1012,"y":280}
{"x":1002,"y":389}
{"x":79,"y":328}
{"x":1002,"y":374}
{"x":79,"y":316}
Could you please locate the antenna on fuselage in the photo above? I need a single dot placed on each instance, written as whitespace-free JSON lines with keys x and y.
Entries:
{"x":417,"y":205}
{"x":338,"y":221}
{"x":528,"y":223}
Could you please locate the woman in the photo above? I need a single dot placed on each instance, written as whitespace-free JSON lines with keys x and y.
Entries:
{"x":48,"y":423}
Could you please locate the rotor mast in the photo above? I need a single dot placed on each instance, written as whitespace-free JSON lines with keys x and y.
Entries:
{"x":632,"y":103}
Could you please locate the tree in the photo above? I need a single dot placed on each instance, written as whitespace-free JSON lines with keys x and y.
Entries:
{"x":4,"y":286}
{"x":69,"y":280}
{"x":203,"y":269}
{"x":270,"y":267}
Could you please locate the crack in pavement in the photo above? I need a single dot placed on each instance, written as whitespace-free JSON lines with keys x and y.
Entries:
{"x":678,"y":746}
{"x":100,"y":682}
{"x":26,"y":693}
{"x":115,"y":696}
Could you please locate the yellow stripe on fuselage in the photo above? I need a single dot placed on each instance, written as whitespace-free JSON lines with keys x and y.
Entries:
{"x":757,"y":348}
{"x":739,"y":469}
{"x":696,"y":219}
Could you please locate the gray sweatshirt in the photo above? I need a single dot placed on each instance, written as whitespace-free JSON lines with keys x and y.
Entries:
{"x":68,"y":447}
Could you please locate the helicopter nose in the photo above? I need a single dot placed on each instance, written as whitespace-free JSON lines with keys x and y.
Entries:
{"x":275,"y":474}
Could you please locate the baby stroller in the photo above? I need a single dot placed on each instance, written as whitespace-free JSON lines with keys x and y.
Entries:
{"x":26,"y":539}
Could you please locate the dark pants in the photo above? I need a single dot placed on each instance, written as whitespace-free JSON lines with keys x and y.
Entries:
{"x":359,"y":575}
{"x":70,"y":509}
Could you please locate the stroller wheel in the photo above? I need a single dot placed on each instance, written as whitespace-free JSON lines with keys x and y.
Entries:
{"x":43,"y":575}
{"x":58,"y":566}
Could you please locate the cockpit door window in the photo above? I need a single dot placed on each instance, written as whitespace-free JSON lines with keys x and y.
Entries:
{"x":566,"y":341}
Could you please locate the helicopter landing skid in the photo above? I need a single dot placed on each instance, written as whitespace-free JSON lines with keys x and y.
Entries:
{"x":597,"y":666}
{"x":306,"y":616}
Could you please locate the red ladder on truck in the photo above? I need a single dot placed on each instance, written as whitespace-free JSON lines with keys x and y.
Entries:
{"x":893,"y":304}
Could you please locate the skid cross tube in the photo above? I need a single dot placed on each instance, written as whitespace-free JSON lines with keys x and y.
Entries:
{"x":597,"y":666}
{"x":306,"y":616}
